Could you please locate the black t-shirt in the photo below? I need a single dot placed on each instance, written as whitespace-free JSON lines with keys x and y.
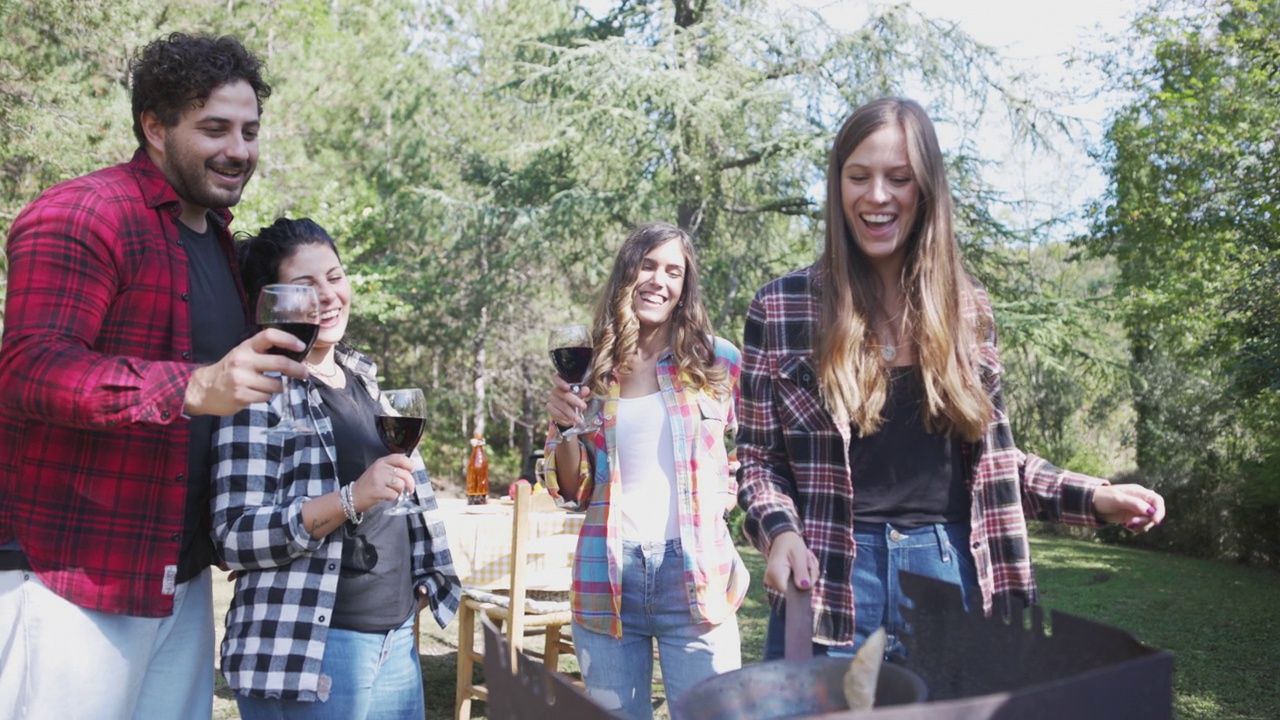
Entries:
{"x":903,"y":474}
{"x":217,"y":326}
{"x":375,"y":589}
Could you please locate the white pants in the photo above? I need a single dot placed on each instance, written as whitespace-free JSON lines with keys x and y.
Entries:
{"x":58,"y":660}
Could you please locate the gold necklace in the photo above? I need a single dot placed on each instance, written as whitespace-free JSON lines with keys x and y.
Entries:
{"x":321,"y":373}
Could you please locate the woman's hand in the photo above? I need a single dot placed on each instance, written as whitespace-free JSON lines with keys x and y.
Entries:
{"x":565,"y":406}
{"x":789,"y":557}
{"x":1138,"y":508}
{"x":384,"y":480}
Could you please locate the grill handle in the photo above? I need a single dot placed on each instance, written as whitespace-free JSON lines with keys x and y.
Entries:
{"x":798,"y":628}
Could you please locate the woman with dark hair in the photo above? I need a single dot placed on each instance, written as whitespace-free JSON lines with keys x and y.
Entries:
{"x":655,"y":561}
{"x":321,"y":623}
{"x":874,"y":436}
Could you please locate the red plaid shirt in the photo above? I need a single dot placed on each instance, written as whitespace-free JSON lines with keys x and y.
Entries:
{"x":93,"y":368}
{"x":795,"y":463}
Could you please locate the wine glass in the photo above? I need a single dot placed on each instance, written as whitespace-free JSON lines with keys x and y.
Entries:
{"x":401,"y":420}
{"x":572,"y":351}
{"x":296,"y":310}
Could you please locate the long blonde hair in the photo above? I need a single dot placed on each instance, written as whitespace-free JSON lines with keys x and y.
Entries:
{"x":939,"y":295}
{"x":617,"y":329}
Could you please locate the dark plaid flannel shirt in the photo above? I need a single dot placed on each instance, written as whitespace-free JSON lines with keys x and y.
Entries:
{"x":93,"y":369}
{"x":795,"y":466}
{"x":283,"y":602}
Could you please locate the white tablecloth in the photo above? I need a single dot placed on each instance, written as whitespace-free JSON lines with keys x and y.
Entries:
{"x":480,"y":541}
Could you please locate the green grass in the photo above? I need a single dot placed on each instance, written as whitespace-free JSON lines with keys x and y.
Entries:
{"x":1218,"y":620}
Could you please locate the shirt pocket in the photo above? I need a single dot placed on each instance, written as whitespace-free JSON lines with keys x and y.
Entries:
{"x":795,"y":392}
{"x":712,"y":415}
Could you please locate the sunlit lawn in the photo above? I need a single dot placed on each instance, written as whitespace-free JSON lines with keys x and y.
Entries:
{"x":1218,"y":620}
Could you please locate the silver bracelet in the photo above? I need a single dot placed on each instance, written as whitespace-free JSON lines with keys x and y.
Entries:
{"x":349,"y":505}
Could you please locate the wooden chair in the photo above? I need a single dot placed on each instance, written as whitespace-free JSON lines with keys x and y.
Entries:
{"x":520,"y":616}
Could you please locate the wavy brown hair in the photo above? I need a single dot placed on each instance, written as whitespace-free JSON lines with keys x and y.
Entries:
{"x":939,"y":293}
{"x":617,"y":330}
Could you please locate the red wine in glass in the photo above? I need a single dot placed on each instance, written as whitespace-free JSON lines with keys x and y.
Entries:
{"x":572,"y":352}
{"x":572,"y":363}
{"x":295,"y":309}
{"x":400,"y":434}
{"x":400,"y":421}
{"x":306,"y":332}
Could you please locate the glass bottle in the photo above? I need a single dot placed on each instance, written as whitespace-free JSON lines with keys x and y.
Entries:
{"x":478,"y":472}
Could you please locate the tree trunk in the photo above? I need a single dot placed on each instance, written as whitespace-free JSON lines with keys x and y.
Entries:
{"x":480,"y":369}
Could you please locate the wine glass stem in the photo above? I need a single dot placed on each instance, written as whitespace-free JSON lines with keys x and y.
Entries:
{"x":286,"y":407}
{"x":404,"y":494}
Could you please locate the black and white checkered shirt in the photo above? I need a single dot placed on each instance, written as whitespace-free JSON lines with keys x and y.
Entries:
{"x":283,"y":603}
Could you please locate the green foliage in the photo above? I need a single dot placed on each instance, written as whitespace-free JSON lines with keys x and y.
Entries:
{"x":1065,"y":354}
{"x":479,"y":162}
{"x":1192,"y":222}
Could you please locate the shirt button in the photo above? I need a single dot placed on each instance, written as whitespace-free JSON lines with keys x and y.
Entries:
{"x":321,"y":618}
{"x":186,"y":356}
{"x":181,"y":477}
{"x":896,"y":536}
{"x":164,"y":414}
{"x":185,"y":296}
{"x":176,"y":537}
{"x":332,"y":566}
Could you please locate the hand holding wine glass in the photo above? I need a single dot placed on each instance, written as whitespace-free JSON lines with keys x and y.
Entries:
{"x":400,"y":421}
{"x":572,"y":352}
{"x":296,"y":310}
{"x":383,"y":481}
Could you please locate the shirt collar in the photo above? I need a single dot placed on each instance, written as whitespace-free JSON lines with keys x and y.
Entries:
{"x":156,"y":190}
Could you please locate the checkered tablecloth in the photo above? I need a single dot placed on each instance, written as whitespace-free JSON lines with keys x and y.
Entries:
{"x":480,"y":541}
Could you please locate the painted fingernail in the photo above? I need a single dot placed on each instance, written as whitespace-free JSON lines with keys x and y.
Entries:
{"x":804,"y":584}
{"x":1151,"y":509}
{"x":1134,"y":523}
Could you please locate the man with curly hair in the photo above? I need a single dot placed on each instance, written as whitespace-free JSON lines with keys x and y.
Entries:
{"x":124,"y":341}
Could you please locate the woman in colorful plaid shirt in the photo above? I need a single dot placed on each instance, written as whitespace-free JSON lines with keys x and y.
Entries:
{"x":321,"y":623}
{"x":873,"y":431}
{"x":655,"y":562}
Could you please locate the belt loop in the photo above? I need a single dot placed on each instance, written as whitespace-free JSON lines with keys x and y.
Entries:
{"x":944,"y":542}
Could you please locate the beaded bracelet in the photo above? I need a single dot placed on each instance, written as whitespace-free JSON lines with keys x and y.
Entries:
{"x":349,"y":505}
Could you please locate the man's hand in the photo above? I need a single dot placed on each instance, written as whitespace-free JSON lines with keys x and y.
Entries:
{"x":239,"y":378}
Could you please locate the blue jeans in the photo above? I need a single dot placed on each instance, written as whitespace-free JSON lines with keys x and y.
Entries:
{"x":936,"y":551}
{"x":618,"y":672}
{"x":373,"y":675}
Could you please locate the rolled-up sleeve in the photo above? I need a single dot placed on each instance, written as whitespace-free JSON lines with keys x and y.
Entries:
{"x":253,"y":525}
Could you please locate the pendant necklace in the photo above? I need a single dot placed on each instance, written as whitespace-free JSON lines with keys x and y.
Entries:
{"x":889,"y":350}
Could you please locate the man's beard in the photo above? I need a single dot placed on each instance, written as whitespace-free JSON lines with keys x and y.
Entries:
{"x":189,"y":178}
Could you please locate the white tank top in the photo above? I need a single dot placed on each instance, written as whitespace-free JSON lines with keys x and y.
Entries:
{"x":647,"y":461}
